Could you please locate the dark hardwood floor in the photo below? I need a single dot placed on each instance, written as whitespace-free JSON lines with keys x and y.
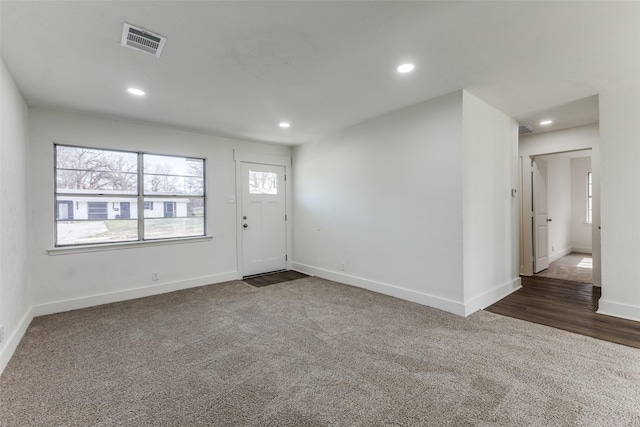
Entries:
{"x":569,"y":306}
{"x":262,"y":280}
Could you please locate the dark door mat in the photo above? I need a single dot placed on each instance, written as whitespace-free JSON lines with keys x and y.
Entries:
{"x":273,"y":278}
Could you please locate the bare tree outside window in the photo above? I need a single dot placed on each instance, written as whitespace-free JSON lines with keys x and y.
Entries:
{"x":96,"y":170}
{"x":160,"y":181}
{"x":263,"y":182}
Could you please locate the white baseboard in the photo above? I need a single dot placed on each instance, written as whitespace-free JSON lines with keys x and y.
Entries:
{"x":384,"y":288}
{"x":556,"y":256}
{"x":496,"y":294}
{"x":582,"y":249}
{"x":128,"y":294}
{"x":616,"y":309}
{"x":6,"y":352}
{"x":12,"y":341}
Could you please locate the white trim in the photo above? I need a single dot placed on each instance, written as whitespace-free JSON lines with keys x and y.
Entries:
{"x":128,"y":294}
{"x":266,"y":159}
{"x":616,"y":309}
{"x":384,"y":288}
{"x":65,"y":250}
{"x":14,"y":339}
{"x":556,"y":256}
{"x":583,"y":249}
{"x":491,"y":296}
{"x":7,"y":351}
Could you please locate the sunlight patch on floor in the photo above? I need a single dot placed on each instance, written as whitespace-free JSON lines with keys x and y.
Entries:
{"x":585,"y":263}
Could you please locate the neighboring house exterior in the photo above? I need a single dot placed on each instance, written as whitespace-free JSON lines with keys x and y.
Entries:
{"x":97,"y":208}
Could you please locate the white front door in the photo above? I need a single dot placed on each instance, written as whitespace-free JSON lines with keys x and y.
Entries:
{"x":263,"y":219}
{"x":540,"y":216}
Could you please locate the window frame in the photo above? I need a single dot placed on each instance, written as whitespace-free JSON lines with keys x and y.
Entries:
{"x":138,"y":199}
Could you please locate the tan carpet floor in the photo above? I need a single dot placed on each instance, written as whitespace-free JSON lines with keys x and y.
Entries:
{"x":575,"y":267}
{"x":309,"y":352}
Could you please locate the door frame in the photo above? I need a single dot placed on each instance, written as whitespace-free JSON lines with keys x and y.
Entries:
{"x":526,"y":221}
{"x":266,"y":159}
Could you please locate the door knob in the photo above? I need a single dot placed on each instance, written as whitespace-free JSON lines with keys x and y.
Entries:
{"x":244,"y":217}
{"x":245,"y":225}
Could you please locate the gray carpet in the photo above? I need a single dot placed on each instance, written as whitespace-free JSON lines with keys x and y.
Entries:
{"x":309,"y":353}
{"x":575,"y":267}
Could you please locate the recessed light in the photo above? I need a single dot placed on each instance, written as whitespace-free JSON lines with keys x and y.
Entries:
{"x":546,"y":122}
{"x":405,"y":68}
{"x":285,"y":125}
{"x":135,"y":91}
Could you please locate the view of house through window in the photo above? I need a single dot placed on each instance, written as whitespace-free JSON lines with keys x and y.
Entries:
{"x":99,"y":194}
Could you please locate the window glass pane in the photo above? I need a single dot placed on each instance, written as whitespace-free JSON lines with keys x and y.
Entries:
{"x":82,"y":220}
{"x":165,"y":228}
{"x":173,"y":207}
{"x":263,"y":182}
{"x":168,"y":175}
{"x":91,"y":171}
{"x":90,"y":232}
{"x":172,"y":185}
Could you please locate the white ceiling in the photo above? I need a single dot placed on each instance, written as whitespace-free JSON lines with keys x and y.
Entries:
{"x":238,"y":68}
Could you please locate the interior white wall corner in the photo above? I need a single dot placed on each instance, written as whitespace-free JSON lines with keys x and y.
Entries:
{"x":15,"y":299}
{"x":619,"y":154}
{"x":581,"y":231}
{"x":490,"y":213}
{"x":379,"y":205}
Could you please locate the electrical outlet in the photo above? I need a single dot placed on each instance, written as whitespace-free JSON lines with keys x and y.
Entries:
{"x":154,"y":277}
{"x":1,"y":333}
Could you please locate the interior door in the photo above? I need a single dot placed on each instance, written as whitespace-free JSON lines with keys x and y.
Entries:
{"x":263,"y":219}
{"x":540,"y":216}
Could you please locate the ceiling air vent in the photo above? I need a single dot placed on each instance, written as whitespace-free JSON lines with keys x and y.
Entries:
{"x":524,"y":129}
{"x":140,"y":39}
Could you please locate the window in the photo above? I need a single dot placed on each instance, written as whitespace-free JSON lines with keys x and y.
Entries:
{"x":100,"y":192}
{"x":589,"y":199}
{"x":97,"y":210}
{"x":263,"y":182}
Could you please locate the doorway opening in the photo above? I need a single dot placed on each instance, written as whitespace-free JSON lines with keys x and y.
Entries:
{"x":562,"y":205}
{"x":562,"y":212}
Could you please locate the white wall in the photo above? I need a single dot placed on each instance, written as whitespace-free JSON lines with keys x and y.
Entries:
{"x":14,"y":295}
{"x":581,"y":240}
{"x":573,"y":139}
{"x":491,"y":220}
{"x":559,"y":205}
{"x":384,"y":198}
{"x":72,"y":280}
{"x":380,"y":205}
{"x":620,"y":151}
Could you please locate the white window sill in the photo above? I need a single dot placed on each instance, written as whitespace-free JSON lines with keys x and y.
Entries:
{"x":66,"y":250}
